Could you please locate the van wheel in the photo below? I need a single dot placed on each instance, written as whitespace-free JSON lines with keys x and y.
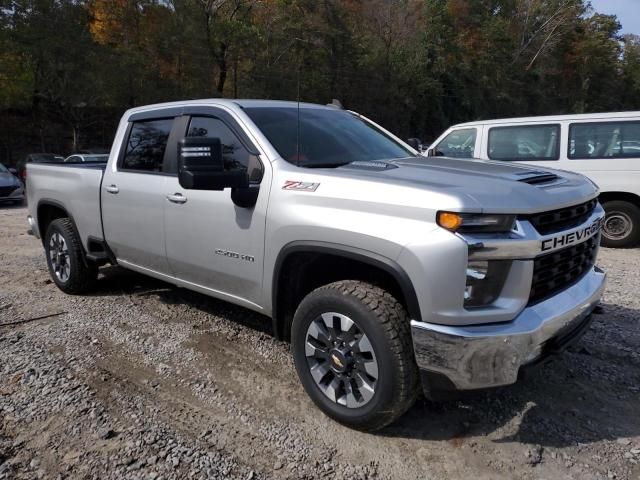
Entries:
{"x":621,"y":228}
{"x":65,"y":258}
{"x":352,"y":348}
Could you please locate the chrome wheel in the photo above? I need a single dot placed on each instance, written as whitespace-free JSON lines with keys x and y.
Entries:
{"x":617,"y":225}
{"x":59,"y":257}
{"x":341,"y":360}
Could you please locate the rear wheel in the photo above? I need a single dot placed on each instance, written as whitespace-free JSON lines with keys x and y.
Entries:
{"x":65,"y":258}
{"x":351,"y":344}
{"x":621,"y":228}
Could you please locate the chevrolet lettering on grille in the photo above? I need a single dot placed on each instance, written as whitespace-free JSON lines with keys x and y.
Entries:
{"x":571,"y":238}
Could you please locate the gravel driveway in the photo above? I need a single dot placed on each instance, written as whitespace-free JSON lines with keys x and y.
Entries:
{"x":144,"y":380}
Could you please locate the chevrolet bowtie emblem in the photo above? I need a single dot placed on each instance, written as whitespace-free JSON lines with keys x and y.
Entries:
{"x":337,"y":361}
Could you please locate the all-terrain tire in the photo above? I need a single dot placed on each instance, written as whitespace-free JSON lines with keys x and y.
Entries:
{"x":621,"y":224}
{"x":386,"y":324}
{"x":82,"y":275}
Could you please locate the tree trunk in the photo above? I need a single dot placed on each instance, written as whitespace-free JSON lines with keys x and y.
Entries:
{"x":222,"y":65}
{"x":74,"y":145}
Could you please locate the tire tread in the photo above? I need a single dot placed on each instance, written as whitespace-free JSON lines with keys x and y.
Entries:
{"x":83,"y":278}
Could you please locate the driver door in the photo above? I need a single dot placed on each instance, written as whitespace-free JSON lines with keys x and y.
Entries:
{"x":211,"y":242}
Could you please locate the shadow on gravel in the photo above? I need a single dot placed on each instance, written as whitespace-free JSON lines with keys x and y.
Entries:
{"x":119,"y":281}
{"x":587,"y":394}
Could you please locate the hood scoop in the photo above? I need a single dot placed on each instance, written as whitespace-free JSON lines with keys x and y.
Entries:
{"x":372,"y":165}
{"x":536,"y":177}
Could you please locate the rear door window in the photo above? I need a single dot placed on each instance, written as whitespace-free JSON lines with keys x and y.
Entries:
{"x":527,"y":142}
{"x":458,"y":144}
{"x":146,"y":145}
{"x":604,"y":140}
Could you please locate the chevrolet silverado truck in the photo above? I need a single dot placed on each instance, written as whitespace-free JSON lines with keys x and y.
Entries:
{"x":390,"y":273}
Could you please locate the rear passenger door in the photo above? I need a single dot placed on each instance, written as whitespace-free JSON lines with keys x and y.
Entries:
{"x":133,"y":195}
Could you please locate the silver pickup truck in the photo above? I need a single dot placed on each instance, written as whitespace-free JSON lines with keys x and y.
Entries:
{"x":385,"y":270}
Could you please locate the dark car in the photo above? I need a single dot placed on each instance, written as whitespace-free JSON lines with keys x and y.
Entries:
{"x":37,"y":158}
{"x":11,"y":188}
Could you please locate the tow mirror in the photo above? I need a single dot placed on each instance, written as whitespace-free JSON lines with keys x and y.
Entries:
{"x":416,"y":143}
{"x":201,"y":166}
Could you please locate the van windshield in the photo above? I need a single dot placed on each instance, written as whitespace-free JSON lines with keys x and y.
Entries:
{"x":324,"y":137}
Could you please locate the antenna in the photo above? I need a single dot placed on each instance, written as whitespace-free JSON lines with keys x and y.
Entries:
{"x":298,"y":112}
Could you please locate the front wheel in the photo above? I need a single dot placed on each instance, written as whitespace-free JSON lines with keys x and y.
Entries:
{"x":352,"y":349}
{"x":621,"y":228}
{"x":65,"y":258}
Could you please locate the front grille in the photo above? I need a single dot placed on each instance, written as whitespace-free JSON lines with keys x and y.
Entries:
{"x":562,"y":219}
{"x":6,"y":191}
{"x":557,"y":271}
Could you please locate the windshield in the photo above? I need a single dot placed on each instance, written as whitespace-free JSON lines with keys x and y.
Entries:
{"x":327,"y":138}
{"x":3,"y":169}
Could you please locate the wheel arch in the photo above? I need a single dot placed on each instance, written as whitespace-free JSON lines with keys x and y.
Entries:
{"x":49,"y":210}
{"x":289,"y":288}
{"x":622,"y":196}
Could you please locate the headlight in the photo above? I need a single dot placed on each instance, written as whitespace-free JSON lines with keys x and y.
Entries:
{"x":475,"y":222}
{"x":485,"y":280}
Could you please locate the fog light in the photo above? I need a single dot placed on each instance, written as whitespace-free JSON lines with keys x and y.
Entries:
{"x":485,"y":280}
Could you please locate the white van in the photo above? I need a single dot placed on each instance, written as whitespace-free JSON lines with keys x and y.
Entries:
{"x":604,"y":146}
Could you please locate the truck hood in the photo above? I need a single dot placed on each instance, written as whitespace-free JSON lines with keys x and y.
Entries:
{"x":480,"y":185}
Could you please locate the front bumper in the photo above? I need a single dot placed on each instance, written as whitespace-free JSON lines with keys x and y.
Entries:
{"x":485,"y":356}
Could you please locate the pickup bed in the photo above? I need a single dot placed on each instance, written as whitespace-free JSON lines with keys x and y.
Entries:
{"x":385,"y":269}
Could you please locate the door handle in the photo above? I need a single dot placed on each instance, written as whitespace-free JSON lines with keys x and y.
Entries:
{"x":112,"y":189}
{"x":177,"y":198}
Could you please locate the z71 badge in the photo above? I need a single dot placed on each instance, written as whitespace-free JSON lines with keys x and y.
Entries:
{"x":567,"y":239}
{"x":300,"y":186}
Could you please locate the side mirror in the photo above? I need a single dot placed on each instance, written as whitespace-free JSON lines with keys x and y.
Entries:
{"x":13,"y":170}
{"x":416,"y":143}
{"x":201,"y":166}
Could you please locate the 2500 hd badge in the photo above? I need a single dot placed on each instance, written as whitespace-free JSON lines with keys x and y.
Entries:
{"x":574,"y":237}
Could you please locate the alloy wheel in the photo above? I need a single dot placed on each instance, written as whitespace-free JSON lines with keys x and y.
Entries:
{"x":59,"y":256}
{"x":341,"y":360}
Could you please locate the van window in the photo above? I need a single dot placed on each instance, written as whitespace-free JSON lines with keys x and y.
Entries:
{"x":528,"y":142}
{"x":604,"y":140}
{"x":458,"y":144}
{"x":146,"y":145}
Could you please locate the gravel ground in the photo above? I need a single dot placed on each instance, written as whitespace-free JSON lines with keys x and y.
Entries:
{"x":144,"y":380}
